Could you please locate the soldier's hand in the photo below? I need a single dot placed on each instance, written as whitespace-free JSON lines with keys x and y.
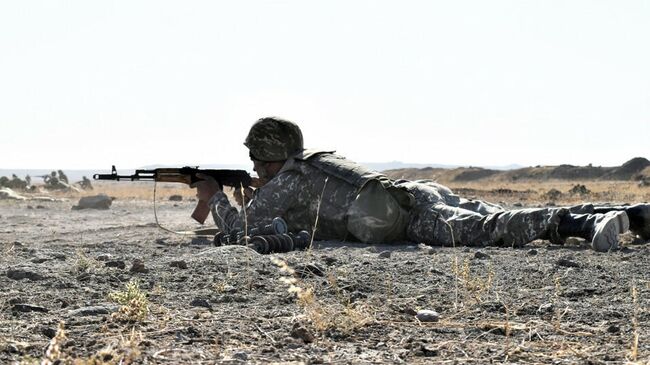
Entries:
{"x":242,"y":200}
{"x":258,"y":182}
{"x":205,"y":188}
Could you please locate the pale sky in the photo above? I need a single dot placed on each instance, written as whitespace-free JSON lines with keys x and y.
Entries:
{"x":88,"y":84}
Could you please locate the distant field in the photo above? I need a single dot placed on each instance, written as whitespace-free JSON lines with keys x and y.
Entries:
{"x":525,"y":193}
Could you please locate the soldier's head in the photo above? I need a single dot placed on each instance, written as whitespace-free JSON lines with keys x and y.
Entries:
{"x":271,"y":141}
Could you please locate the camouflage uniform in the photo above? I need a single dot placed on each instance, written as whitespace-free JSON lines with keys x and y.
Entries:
{"x":355,"y":203}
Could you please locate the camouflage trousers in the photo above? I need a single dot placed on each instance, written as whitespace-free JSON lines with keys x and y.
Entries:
{"x":443,"y":218}
{"x":479,"y":223}
{"x":445,"y":225}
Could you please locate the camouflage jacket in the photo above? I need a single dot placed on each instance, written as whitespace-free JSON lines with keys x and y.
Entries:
{"x":309,"y":183}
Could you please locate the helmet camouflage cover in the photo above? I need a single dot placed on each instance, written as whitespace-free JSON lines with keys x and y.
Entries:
{"x":273,"y":139}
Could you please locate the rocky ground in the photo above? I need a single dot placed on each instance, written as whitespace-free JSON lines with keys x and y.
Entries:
{"x":109,"y":286}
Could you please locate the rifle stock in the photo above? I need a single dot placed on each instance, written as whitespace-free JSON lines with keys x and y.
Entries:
{"x":185,"y":175}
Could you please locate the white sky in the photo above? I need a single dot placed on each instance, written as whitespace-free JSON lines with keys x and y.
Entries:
{"x":88,"y":84}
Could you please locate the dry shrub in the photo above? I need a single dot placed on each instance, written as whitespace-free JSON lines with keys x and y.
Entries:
{"x":125,"y":352}
{"x":473,"y":286}
{"x":83,"y":263}
{"x":133,"y":301}
{"x":344,"y":317}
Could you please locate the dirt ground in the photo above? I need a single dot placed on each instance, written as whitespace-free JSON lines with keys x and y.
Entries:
{"x":192,"y":302}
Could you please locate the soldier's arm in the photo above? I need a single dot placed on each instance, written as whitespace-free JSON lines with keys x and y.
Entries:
{"x":270,"y":201}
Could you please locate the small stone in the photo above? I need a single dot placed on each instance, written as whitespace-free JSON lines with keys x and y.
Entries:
{"x":104,"y":257}
{"x":138,"y":266}
{"x":567,"y":263}
{"x":199,"y":302}
{"x":429,"y":351}
{"x":39,"y":260}
{"x":19,"y":274}
{"x":532,"y":252}
{"x":176,"y":198}
{"x":385,"y":254}
{"x":101,"y":201}
{"x":229,"y":289}
{"x":179,"y":264}
{"x":118,"y":264}
{"x":15,"y":300}
{"x":426,"y":249}
{"x":201,"y":241}
{"x":545,"y":308}
{"x":88,"y":311}
{"x":300,"y":332}
{"x":240,"y":355}
{"x":311,"y":269}
{"x":573,"y":241}
{"x":48,"y":332}
{"x":357,"y":295}
{"x":28,"y":308}
{"x":518,"y":205}
{"x":426,"y":315}
{"x":481,"y":256}
{"x":12,"y":349}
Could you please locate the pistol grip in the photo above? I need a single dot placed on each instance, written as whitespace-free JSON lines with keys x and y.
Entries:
{"x":201,"y":212}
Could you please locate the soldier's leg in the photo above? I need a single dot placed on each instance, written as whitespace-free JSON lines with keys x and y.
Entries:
{"x":427,"y":193}
{"x":601,"y":230}
{"x":480,"y":206}
{"x":444,"y":225}
{"x":638,"y":214}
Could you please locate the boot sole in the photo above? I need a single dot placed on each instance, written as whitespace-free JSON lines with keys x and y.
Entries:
{"x":607,"y":231}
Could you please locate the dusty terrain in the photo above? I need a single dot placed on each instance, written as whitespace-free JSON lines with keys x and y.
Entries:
{"x":339,"y":302}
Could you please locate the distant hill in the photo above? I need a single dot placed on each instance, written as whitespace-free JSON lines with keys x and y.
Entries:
{"x":634,"y":169}
{"x":396,"y":165}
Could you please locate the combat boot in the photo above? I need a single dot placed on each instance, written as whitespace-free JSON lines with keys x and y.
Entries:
{"x":639,"y":215}
{"x":601,"y":230}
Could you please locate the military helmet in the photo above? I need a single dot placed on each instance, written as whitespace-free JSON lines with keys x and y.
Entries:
{"x":273,"y":139}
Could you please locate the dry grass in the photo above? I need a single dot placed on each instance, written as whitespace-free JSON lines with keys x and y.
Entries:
{"x":634,"y":348}
{"x":474,"y":285}
{"x":534,"y":192}
{"x":133,"y":301}
{"x":84,"y":263}
{"x":344,"y":316}
{"x":125,"y":351}
{"x":525,"y":192}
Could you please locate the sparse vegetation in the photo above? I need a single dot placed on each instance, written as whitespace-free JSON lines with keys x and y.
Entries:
{"x":344,"y":317}
{"x":84,"y":263}
{"x":133,"y":301}
{"x":475,"y":285}
{"x":228,"y":304}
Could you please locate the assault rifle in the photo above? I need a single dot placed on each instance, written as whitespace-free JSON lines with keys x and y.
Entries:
{"x":185,"y":175}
